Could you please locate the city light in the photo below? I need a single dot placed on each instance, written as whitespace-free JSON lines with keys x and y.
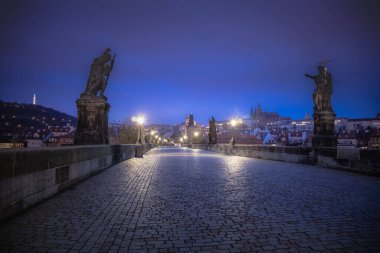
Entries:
{"x":196,"y":134}
{"x":185,"y":137}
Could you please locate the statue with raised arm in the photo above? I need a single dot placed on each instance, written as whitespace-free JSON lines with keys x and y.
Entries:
{"x":99,"y":73}
{"x":324,"y":116}
{"x":323,"y":90}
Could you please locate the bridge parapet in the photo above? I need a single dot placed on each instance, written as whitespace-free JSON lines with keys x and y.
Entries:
{"x":28,"y":176}
{"x":366,"y":161}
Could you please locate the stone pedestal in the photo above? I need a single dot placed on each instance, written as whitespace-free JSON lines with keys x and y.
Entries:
{"x":212,"y":135}
{"x":324,"y":128}
{"x":212,"y":138}
{"x":92,"y":127}
{"x":139,"y":151}
{"x":190,"y":134}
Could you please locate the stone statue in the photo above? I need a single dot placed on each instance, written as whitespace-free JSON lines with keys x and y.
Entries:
{"x":212,"y":131}
{"x":92,"y":124}
{"x":324,"y":116}
{"x":323,"y":90}
{"x":99,"y":73}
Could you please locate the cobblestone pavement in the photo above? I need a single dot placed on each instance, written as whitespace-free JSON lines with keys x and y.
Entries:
{"x":183,"y":200}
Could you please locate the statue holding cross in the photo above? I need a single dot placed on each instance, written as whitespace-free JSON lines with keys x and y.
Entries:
{"x":324,"y":116}
{"x":99,"y":73}
{"x":323,"y":90}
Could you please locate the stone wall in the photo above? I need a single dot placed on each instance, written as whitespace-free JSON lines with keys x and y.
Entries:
{"x":28,"y":176}
{"x":366,"y":161}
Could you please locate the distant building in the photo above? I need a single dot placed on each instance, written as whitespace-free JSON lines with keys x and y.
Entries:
{"x":58,"y":130}
{"x":347,"y":139}
{"x":34,"y":143}
{"x":362,"y":123}
{"x":296,"y":138}
{"x":66,"y":139}
{"x":374,"y":140}
{"x":261,"y":117}
{"x":341,"y":124}
{"x":239,"y":138}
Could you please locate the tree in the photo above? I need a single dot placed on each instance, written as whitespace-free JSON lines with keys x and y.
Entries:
{"x":127,"y":135}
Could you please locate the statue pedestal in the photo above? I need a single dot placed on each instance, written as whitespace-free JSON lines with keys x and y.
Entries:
{"x":190,"y":134}
{"x":324,"y":128}
{"x":212,"y":138}
{"x":92,"y":127}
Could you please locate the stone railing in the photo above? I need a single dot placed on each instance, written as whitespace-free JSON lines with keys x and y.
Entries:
{"x":366,"y":161}
{"x":28,"y":176}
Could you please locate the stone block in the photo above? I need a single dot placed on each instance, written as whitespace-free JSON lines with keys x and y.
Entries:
{"x":29,"y":161}
{"x":6,"y":164}
{"x":61,"y":157}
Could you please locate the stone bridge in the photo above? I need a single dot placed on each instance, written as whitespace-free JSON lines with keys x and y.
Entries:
{"x":188,"y":200}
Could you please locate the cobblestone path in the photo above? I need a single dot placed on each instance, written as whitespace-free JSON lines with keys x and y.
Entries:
{"x":183,"y":200}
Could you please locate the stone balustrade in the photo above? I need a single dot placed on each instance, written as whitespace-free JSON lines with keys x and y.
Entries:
{"x":366,"y":161}
{"x":28,"y":176}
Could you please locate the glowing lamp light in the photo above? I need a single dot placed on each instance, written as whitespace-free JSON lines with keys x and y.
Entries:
{"x":140,"y":119}
{"x":196,"y":134}
{"x":234,"y":122}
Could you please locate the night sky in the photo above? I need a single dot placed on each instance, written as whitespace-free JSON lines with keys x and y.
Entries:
{"x":203,"y":57}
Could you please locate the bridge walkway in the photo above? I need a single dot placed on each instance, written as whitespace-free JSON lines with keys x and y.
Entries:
{"x":184,"y":200}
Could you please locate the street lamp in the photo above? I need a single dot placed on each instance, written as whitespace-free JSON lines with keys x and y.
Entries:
{"x":151,"y":137}
{"x":140,"y":119}
{"x":234,"y":122}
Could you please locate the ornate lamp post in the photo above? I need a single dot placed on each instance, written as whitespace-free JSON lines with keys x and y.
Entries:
{"x":185,"y":138}
{"x":140,"y":119}
{"x":152,"y":133}
{"x":196,"y":134}
{"x":234,"y":122}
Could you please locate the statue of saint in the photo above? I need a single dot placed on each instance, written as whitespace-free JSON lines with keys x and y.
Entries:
{"x":323,"y":90}
{"x":212,"y":131}
{"x":99,"y":73}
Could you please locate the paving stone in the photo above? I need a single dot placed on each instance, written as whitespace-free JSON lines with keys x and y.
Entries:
{"x":184,"y":200}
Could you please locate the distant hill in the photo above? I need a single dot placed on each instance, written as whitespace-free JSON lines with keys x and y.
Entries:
{"x":22,"y":119}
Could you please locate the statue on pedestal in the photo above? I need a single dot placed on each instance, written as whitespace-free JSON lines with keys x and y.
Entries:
{"x":212,"y":131}
{"x":324,"y":116}
{"x":92,"y":127}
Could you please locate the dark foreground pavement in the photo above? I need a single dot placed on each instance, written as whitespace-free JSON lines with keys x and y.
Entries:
{"x":182,"y":200}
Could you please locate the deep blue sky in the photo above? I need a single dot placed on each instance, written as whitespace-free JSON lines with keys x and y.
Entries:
{"x":205,"y":57}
